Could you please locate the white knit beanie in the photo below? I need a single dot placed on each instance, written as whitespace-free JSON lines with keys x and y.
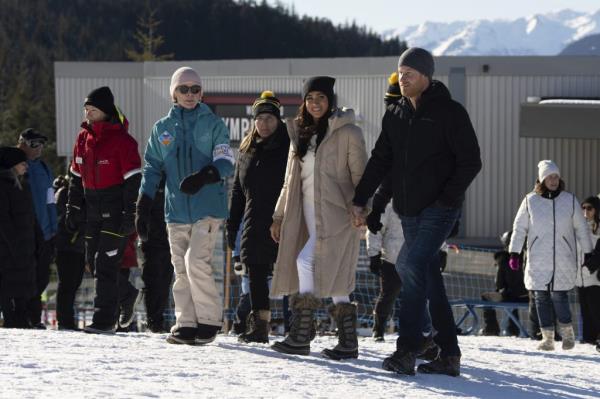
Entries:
{"x":184,"y":75}
{"x":546,"y":168}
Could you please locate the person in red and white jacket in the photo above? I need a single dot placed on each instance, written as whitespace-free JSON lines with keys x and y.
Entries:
{"x":106,"y":172}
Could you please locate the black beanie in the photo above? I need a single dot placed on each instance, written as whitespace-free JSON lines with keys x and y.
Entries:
{"x":11,"y":156}
{"x":103,"y":99}
{"x":393,"y":91}
{"x":266,"y":103}
{"x":323,"y":84}
{"x":419,"y":59}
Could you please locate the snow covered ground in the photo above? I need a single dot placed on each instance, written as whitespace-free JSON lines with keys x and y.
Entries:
{"x":49,"y":364}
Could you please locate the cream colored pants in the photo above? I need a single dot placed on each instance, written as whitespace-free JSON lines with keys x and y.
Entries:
{"x":197,"y":299}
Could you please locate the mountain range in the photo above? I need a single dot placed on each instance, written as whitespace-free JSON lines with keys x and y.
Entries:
{"x":538,"y":34}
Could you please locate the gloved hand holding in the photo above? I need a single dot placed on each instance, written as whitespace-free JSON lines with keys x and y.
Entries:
{"x":374,"y":221}
{"x":143,"y":210}
{"x":127,"y":224}
{"x":591,"y":261}
{"x":194,"y":182}
{"x":375,"y":264}
{"x":73,"y":218}
{"x":514,"y":261}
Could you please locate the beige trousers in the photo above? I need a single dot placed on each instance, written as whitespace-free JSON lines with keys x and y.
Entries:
{"x":197,"y":299}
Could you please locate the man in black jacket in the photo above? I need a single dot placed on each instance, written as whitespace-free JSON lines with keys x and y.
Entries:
{"x":429,"y":146}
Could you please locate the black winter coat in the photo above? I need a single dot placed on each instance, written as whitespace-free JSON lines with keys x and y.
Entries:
{"x":17,"y":238}
{"x":258,"y":180}
{"x":432,"y":153}
{"x":157,"y":232}
{"x":66,"y":241}
{"x":509,"y":283}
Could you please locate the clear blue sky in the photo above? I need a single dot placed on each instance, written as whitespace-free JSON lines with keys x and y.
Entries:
{"x":389,"y":14}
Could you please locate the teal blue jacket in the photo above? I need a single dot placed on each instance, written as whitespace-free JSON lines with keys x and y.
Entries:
{"x":180,"y":144}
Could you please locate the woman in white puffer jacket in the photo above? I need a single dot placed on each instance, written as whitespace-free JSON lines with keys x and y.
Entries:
{"x":550,"y":220}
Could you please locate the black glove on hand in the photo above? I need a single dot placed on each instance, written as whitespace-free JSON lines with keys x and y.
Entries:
{"x":143,"y":209}
{"x":375,"y":264}
{"x":591,"y":261}
{"x":194,"y":182}
{"x":231,"y":238}
{"x":73,"y":218}
{"x":443,"y":260}
{"x":374,"y":221}
{"x":127,"y":225}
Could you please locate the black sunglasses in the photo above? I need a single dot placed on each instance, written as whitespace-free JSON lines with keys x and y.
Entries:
{"x":34,"y":143}
{"x":194,"y":89}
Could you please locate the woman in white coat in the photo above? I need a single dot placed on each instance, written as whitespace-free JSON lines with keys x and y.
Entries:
{"x":550,"y":221}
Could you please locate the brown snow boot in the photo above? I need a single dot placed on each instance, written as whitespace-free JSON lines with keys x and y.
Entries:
{"x":568,"y":335}
{"x":547,"y":343}
{"x":257,"y":329}
{"x":344,"y":315}
{"x":297,"y":342}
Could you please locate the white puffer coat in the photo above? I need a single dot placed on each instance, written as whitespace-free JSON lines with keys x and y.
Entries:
{"x":584,"y":277}
{"x":553,"y":228}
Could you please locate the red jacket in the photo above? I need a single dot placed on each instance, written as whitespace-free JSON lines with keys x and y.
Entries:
{"x":105,"y":155}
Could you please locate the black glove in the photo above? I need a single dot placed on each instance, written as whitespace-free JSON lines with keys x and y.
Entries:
{"x":375,"y":264}
{"x":231,"y":239}
{"x":194,"y":182}
{"x":443,"y":260}
{"x":73,"y":218}
{"x":127,"y":224}
{"x":143,"y":210}
{"x":591,"y":261}
{"x":374,"y":221}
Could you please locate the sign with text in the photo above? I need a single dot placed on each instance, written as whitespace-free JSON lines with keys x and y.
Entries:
{"x":236,"y":110}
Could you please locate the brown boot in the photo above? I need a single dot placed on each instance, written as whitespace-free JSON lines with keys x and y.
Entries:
{"x":257,"y":327}
{"x":567,"y":334}
{"x":301,"y":325}
{"x":347,"y":347}
{"x":448,"y":365}
{"x":547,"y":343}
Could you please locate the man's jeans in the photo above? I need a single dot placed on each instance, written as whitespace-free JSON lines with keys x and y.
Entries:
{"x":418,"y":265}
{"x":546,"y":302}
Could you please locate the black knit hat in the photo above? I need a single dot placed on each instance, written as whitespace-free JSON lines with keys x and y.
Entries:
{"x":419,"y":59}
{"x":11,"y":156}
{"x":103,"y":99}
{"x":266,"y":103}
{"x":393,"y":91}
{"x":323,"y":84}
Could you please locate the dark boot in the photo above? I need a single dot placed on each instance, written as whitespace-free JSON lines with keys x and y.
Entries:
{"x":448,"y":365}
{"x":183,"y":336}
{"x":257,"y":327}
{"x":430,"y":349}
{"x":379,"y":324}
{"x":301,"y":325}
{"x":347,"y":347}
{"x":401,"y":362}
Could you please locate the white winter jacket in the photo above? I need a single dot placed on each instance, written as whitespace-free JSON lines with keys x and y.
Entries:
{"x":389,"y":239}
{"x":553,"y":228}
{"x":584,"y":277}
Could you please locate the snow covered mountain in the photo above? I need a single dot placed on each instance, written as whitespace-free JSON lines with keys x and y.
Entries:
{"x":539,"y":34}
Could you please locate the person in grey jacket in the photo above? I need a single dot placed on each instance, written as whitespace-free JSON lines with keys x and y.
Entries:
{"x":550,"y":220}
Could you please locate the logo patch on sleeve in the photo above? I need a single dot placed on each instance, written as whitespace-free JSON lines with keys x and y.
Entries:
{"x":165,"y":138}
{"x":223,"y":151}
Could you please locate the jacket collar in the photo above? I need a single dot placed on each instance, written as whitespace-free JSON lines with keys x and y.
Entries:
{"x":176,"y":112}
{"x":104,"y":129}
{"x":437,"y":91}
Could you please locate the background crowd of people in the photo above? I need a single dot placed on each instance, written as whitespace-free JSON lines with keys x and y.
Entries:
{"x":301,"y":196}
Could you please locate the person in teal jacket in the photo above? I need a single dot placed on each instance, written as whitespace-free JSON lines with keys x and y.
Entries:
{"x":191,"y":147}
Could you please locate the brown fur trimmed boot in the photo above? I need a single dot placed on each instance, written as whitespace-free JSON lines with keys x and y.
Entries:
{"x":301,"y":325}
{"x":347,"y":347}
{"x":257,"y":327}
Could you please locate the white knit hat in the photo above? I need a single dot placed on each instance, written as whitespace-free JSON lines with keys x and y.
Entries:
{"x":546,"y":168}
{"x":184,"y":75}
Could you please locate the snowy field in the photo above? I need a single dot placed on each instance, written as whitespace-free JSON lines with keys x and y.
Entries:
{"x":60,"y":364}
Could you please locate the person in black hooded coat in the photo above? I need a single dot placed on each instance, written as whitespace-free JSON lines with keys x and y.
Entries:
{"x":258,"y":180}
{"x":17,"y":238}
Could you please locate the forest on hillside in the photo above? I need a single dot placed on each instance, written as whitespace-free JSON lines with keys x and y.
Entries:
{"x":35,"y":33}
